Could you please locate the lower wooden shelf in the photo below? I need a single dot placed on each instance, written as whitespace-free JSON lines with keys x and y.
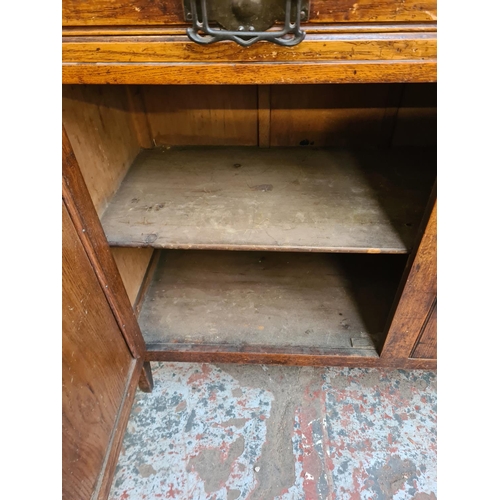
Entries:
{"x":268,"y":302}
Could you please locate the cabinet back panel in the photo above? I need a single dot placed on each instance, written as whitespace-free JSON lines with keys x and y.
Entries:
{"x":202,"y":115}
{"x":416,"y":123}
{"x":332,"y":115}
{"x":378,"y":115}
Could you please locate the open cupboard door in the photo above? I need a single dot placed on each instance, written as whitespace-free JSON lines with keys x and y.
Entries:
{"x":413,"y":329}
{"x":100,"y":372}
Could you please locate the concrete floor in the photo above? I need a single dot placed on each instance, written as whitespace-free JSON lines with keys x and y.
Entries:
{"x":227,"y":432}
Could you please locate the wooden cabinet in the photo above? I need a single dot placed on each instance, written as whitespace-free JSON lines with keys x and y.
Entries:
{"x":260,"y":204}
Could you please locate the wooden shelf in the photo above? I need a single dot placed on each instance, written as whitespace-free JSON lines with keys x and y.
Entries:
{"x":285,"y":199}
{"x":268,"y":302}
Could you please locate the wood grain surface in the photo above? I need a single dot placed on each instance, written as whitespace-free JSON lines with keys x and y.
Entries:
{"x":146,"y":380}
{"x":264,"y":106}
{"x":282,"y":301}
{"x":95,"y":369}
{"x":394,"y":71}
{"x":132,"y":264}
{"x":170,"y":12}
{"x":195,"y":353}
{"x":297,"y":199}
{"x":99,"y":125}
{"x":417,"y":294}
{"x":84,"y":216}
{"x":108,"y":472}
{"x":426,"y":347}
{"x":348,"y":115}
{"x":320,"y":47}
{"x":312,"y":29}
{"x":202,"y":116}
{"x":137,"y":110}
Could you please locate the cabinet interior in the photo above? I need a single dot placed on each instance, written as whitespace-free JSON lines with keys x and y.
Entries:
{"x":277,"y":218}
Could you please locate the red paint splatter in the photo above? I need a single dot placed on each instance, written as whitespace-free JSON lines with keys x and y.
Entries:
{"x":312,"y":395}
{"x":349,"y":409}
{"x":345,"y":423}
{"x":173,"y":493}
{"x":367,"y":443}
{"x":359,"y":477}
{"x":196,"y":377}
{"x":224,"y":449}
{"x":311,"y":462}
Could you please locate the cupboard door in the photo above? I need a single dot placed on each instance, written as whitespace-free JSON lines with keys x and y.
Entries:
{"x":417,"y":298}
{"x":97,"y":368}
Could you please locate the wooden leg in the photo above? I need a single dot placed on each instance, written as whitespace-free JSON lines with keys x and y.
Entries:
{"x":146,"y":379}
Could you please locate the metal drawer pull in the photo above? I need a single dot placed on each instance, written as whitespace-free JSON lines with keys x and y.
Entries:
{"x":245,"y":21}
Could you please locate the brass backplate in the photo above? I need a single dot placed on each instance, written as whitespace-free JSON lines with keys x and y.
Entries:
{"x":247,"y":15}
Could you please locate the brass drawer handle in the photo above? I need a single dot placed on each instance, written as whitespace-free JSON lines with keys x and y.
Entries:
{"x":245,"y":21}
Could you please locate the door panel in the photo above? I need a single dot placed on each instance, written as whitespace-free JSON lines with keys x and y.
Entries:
{"x":417,"y":297}
{"x":96,"y":364}
{"x":426,"y":347}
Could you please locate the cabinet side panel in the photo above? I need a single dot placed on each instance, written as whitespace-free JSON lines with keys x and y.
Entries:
{"x":132,"y":263}
{"x":103,"y":136}
{"x":84,"y":216}
{"x":106,"y":128}
{"x":95,"y":367}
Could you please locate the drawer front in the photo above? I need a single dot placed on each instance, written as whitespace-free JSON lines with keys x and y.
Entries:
{"x":171,"y":13}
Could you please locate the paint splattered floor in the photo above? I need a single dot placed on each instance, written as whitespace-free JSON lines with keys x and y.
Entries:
{"x":227,"y":432}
